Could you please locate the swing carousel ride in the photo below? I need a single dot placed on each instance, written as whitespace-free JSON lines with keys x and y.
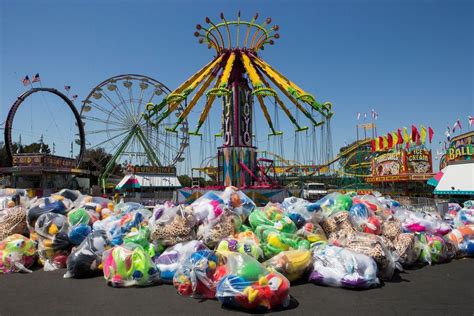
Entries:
{"x":237,"y":75}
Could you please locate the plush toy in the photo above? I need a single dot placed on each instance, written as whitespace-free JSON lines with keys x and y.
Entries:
{"x":17,"y":254}
{"x":86,"y":260}
{"x":53,"y":242}
{"x":129,"y":265}
{"x":141,"y":237}
{"x":172,"y":258}
{"x":245,"y":242}
{"x":300,"y":211}
{"x":273,"y":241}
{"x":433,"y":249}
{"x":341,"y":267}
{"x":12,"y":221}
{"x":214,"y":231}
{"x":46,"y":205}
{"x":248,"y":285}
{"x":195,"y":277}
{"x":272,"y":216}
{"x":173,"y":225}
{"x":312,"y":233}
{"x":292,"y":263}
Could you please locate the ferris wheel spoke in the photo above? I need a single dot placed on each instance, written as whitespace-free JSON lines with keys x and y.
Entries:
{"x":112,"y":138}
{"x":95,"y":119}
{"x":103,"y":110}
{"x":113,"y":104}
{"x":167,"y":144}
{"x":132,"y":104}
{"x":100,"y":131}
{"x":125,"y":107}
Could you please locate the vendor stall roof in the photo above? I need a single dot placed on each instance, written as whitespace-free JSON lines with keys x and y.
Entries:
{"x":457,"y":179}
{"x":149,"y":181}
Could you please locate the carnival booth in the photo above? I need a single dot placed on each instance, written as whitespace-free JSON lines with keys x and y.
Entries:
{"x":402,"y":163}
{"x":456,"y":177}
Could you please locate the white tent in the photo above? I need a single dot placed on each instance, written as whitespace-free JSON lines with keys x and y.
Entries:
{"x":457,"y":179}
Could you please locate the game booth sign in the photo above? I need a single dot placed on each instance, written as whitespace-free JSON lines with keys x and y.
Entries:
{"x":456,"y":175}
{"x":44,"y":173}
{"x":402,"y":172}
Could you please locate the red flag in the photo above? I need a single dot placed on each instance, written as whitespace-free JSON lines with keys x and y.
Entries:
{"x":373,"y":145}
{"x":400,"y":138}
{"x":390,"y":140}
{"x":430,"y":134}
{"x":380,"y":142}
{"x":414,"y":133}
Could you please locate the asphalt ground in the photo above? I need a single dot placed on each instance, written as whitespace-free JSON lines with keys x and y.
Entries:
{"x":445,"y":289}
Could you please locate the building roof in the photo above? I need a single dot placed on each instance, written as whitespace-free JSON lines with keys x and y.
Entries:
{"x":163,"y":181}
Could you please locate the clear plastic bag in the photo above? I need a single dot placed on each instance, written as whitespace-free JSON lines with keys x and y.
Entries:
{"x":172,"y":258}
{"x":244,"y":242}
{"x":274,"y":241}
{"x":173,"y":225}
{"x":364,"y":220}
{"x":129,"y":265}
{"x":214,"y":231}
{"x":79,"y":221}
{"x":416,"y":222}
{"x":374,"y":247}
{"x":17,"y":254}
{"x":46,"y":205}
{"x":312,"y":232}
{"x":340,"y":267}
{"x":53,"y":242}
{"x":12,"y":221}
{"x":247,"y":284}
{"x":337,"y":223}
{"x":86,"y":259}
{"x":291,"y":263}
{"x":195,"y":277}
{"x":433,"y":249}
{"x":272,"y":216}
{"x":301,"y":211}
{"x":334,"y":203}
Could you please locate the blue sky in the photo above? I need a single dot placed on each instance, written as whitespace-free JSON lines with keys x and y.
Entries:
{"x":412,"y":61}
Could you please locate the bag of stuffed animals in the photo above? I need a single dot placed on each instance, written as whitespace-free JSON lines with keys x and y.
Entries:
{"x":173,"y":257}
{"x":274,"y":241}
{"x":170,"y":225}
{"x":272,"y":216}
{"x":57,"y":205}
{"x":341,"y":267}
{"x":433,"y":249}
{"x":417,"y":222}
{"x":312,"y":232}
{"x":334,"y":203}
{"x":337,"y":223}
{"x":53,"y":242}
{"x":129,"y":265}
{"x":374,"y":247}
{"x":86,"y":260}
{"x":196,"y":276}
{"x":244,"y":242}
{"x":118,"y":225}
{"x":12,"y":221}
{"x":463,"y":239}
{"x":364,"y":219}
{"x":212,"y":232}
{"x":17,"y":254}
{"x":210,"y":205}
{"x":246,"y":284}
{"x":301,"y":211}
{"x":291,"y":263}
{"x":79,"y":221}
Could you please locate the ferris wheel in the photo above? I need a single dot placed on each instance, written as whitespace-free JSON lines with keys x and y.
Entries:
{"x":112,"y":118}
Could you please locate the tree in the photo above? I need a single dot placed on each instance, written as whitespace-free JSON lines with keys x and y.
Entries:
{"x":95,"y":160}
{"x":185,"y":180}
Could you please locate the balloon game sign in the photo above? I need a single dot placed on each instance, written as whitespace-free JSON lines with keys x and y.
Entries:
{"x":461,"y":148}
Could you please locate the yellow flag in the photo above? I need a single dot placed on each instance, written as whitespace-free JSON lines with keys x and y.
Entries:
{"x":423,"y":134}
{"x":406,"y":137}
{"x":385,"y":142}
{"x":377,"y":144}
{"x":395,"y":139}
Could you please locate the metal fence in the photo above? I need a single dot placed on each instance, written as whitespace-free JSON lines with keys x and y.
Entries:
{"x":423,"y":204}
